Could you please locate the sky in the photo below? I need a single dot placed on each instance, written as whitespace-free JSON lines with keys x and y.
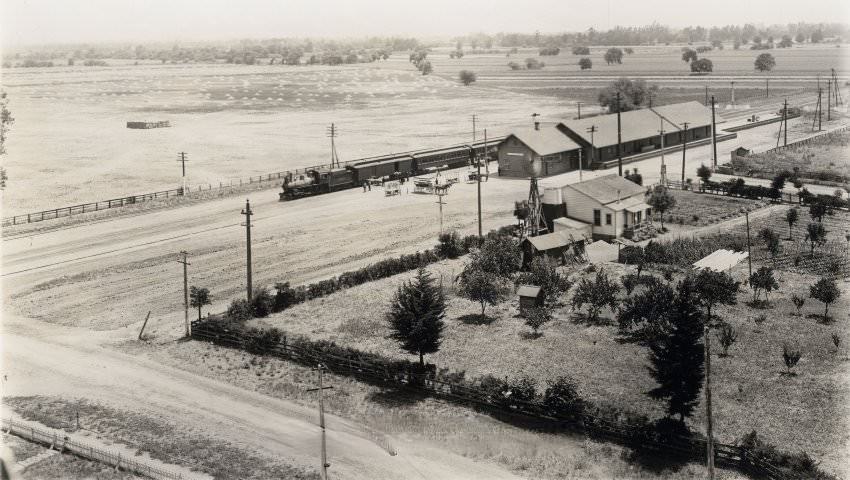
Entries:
{"x":32,"y":22}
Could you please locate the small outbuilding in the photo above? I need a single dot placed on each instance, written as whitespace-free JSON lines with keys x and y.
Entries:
{"x":551,"y":245}
{"x":529,"y":297}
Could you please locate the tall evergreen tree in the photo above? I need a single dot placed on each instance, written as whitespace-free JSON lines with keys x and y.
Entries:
{"x":677,"y":362}
{"x":416,"y":315}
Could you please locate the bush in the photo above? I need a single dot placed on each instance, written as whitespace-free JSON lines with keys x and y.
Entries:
{"x":450,"y":245}
{"x":534,"y":64}
{"x":467,"y":77}
{"x":790,"y":356}
{"x":261,"y":302}
{"x":514,"y":66}
{"x":239,"y":310}
{"x":562,"y":399}
{"x":585,"y":63}
{"x":581,"y":50}
{"x":550,"y":51}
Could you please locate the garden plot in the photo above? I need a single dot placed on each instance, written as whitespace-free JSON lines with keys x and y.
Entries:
{"x":697,"y":209}
{"x":750,"y":390}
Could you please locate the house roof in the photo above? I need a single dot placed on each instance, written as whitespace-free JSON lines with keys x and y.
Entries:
{"x":546,"y":141}
{"x":643,"y":123}
{"x":548,"y":241}
{"x":528,"y":291}
{"x":630,"y":204}
{"x":720,"y":260}
{"x":608,"y":188}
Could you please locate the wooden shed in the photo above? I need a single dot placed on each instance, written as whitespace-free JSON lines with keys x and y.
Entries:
{"x":529,"y":297}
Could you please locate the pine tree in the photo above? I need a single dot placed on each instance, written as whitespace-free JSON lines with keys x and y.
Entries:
{"x":416,"y":316}
{"x":677,"y":362}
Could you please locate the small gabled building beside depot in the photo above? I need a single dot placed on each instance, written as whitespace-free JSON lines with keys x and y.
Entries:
{"x":539,"y":152}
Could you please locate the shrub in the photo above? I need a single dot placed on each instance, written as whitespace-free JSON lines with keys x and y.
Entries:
{"x":536,"y":317}
{"x":798,"y":302}
{"x":467,"y":77}
{"x":562,"y":399}
{"x":726,"y":336}
{"x":239,"y":310}
{"x":514,"y":66}
{"x":790,"y":356}
{"x":581,"y":50}
{"x":261,"y":302}
{"x":585,"y":63}
{"x":285,"y":296}
{"x":534,"y":64}
{"x":836,"y":340}
{"x":629,"y":281}
{"x":450,"y":245}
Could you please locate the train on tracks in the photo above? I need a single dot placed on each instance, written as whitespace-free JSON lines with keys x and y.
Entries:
{"x":394,"y":166}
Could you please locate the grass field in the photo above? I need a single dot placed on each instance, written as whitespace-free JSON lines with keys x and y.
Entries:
{"x":70,"y":145}
{"x":807,"y":411}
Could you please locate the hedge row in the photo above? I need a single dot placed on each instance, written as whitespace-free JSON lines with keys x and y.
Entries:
{"x":682,"y":252}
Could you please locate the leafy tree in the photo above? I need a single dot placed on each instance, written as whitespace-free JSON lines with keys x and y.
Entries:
{"x":534,"y":64}
{"x":702,"y":65}
{"x":416,"y":316}
{"x":614,"y":55}
{"x":689,"y":55}
{"x":536,"y":317}
{"x":785,"y":42}
{"x":704,"y":173}
{"x":815,"y":235}
{"x":771,"y":241}
{"x":714,"y":288}
{"x":425,"y":67}
{"x":6,"y":122}
{"x":633,"y":94}
{"x":562,"y":399}
{"x":791,"y":216}
{"x":800,"y":38}
{"x":661,"y":200}
{"x":467,"y":77}
{"x":818,"y":209}
{"x":726,"y":336}
{"x":499,"y":255}
{"x":676,"y":359}
{"x":817,"y":36}
{"x":762,"y":280}
{"x":596,"y":294}
{"x":790,"y":356}
{"x":543,"y":273}
{"x":634,"y":255}
{"x":481,"y":286}
{"x":798,"y":302}
{"x":765,"y":62}
{"x":585,"y":63}
{"x":449,"y":245}
{"x":581,"y":50}
{"x":826,"y":291}
{"x":644,"y":317}
{"x":198,"y":297}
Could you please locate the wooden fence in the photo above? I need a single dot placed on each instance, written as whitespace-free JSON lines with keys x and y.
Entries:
{"x":60,"y":441}
{"x":590,"y":425}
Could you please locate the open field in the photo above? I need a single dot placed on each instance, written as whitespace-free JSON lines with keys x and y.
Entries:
{"x":808,"y":411}
{"x":70,"y":145}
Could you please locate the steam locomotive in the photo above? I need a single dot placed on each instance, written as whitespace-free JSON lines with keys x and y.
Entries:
{"x":389,"y":167}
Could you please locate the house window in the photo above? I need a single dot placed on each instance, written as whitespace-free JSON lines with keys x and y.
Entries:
{"x":637,"y":217}
{"x":607,"y":219}
{"x":597,"y":218}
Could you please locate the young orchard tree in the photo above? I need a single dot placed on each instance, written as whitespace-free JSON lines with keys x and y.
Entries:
{"x":790,"y":356}
{"x":585,"y":63}
{"x":536,"y":317}
{"x":825,"y":291}
{"x":798,"y":302}
{"x":818,"y":209}
{"x":726,"y":336}
{"x":634,"y":255}
{"x":644,"y":318}
{"x":714,"y":288}
{"x":467,"y":77}
{"x":836,"y":340}
{"x":689,"y":55}
{"x":677,"y":358}
{"x":661,"y":201}
{"x":762,"y":281}
{"x":198,"y":297}
{"x":771,"y":241}
{"x":792,"y":216}
{"x":416,"y":316}
{"x":499,"y":255}
{"x":481,"y":286}
{"x":6,"y":121}
{"x":543,"y":273}
{"x":704,"y":173}
{"x":597,"y":294}
{"x":815,"y":235}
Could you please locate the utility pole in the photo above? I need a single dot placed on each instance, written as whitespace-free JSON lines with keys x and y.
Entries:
{"x":440,"y":192}
{"x":474,"y":120}
{"x":247,"y":212}
{"x":619,"y":139}
{"x":579,"y":165}
{"x":767,"y":87}
{"x":749,"y":253}
{"x":819,"y":110}
{"x":324,"y":454}
{"x":186,"y":264}
{"x":713,"y":136}
{"x":333,"y":133}
{"x":182,"y":159}
{"x":591,"y":130}
{"x":684,"y":149}
{"x":579,"y":110}
{"x":650,"y":99}
{"x":706,"y":95}
{"x":709,"y":421}
{"x":783,"y":123}
{"x":829,"y":101}
{"x":663,"y":165}
{"x":733,"y":94}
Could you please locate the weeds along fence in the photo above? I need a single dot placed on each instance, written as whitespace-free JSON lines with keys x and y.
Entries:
{"x":55,"y":439}
{"x":634,"y":432}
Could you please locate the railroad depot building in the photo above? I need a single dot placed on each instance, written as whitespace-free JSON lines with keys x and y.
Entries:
{"x":605,"y":205}
{"x":640,"y":130}
{"x":537,"y":152}
{"x":547,"y":151}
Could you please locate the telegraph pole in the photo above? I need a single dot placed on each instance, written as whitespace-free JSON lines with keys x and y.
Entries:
{"x":247,"y":212}
{"x":440,"y":192}
{"x":579,"y":165}
{"x":591,"y":130}
{"x":619,"y":139}
{"x":749,"y":253}
{"x":185,"y":291}
{"x":785,"y":121}
{"x":684,"y":149}
{"x":478,"y":163}
{"x":709,"y":421}
{"x":474,"y":120}
{"x":706,"y":95}
{"x":333,"y":133}
{"x":579,"y":110}
{"x":767,"y":87}
{"x":182,"y":159}
{"x":324,"y":454}
{"x":650,"y":99}
{"x":829,"y":101}
{"x":663,"y":166}
{"x":733,"y":94}
{"x":713,"y":136}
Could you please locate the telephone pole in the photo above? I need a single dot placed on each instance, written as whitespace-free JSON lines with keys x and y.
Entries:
{"x":783,"y":123}
{"x":186,"y":264}
{"x":591,"y":130}
{"x":247,"y":212}
{"x":333,"y":133}
{"x":320,"y":389}
{"x":684,"y":149}
{"x":579,"y":110}
{"x":181,"y":157}
{"x":713,"y":136}
{"x":829,"y":101}
{"x":663,"y":165}
{"x":709,"y":444}
{"x":440,"y":192}
{"x":478,"y":163}
{"x":706,"y":95}
{"x":733,"y":94}
{"x":767,"y":87}
{"x":474,"y":120}
{"x":619,"y":139}
{"x":819,"y":110}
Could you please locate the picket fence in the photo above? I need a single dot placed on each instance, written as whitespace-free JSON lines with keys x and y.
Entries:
{"x":593,"y":426}
{"x":60,"y":441}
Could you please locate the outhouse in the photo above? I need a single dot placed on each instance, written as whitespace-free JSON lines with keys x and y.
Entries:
{"x":529,"y":297}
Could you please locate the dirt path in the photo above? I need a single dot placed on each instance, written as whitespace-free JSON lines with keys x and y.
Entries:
{"x":51,"y":366}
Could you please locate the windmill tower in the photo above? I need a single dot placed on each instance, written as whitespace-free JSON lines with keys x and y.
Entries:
{"x":536,"y":224}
